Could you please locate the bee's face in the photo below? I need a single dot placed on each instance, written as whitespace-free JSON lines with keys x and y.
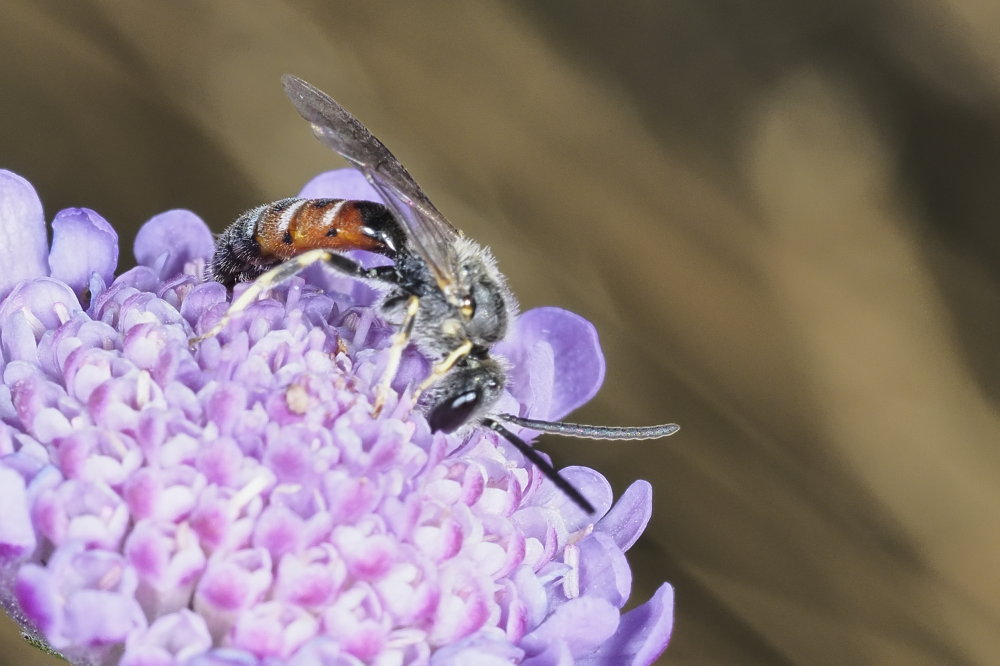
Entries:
{"x":464,"y":394}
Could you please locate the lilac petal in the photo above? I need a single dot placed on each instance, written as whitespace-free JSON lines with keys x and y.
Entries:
{"x":24,"y":251}
{"x":180,"y":235}
{"x":367,"y":557}
{"x":120,"y":615}
{"x":310,"y":579}
{"x":344,"y":183}
{"x":461,"y":615}
{"x":557,"y":361}
{"x":48,"y":302}
{"x":83,"y":243}
{"x":589,"y":482}
{"x":39,"y":598}
{"x":555,"y":654}
{"x":229,"y":657}
{"x":163,"y":494}
{"x":232,"y":583}
{"x":483,"y":648}
{"x":604,"y":571}
{"x":582,"y":623}
{"x":629,"y":516}
{"x":17,"y":537}
{"x":410,"y":593}
{"x":79,"y":511}
{"x":168,"y":561}
{"x":273,"y":629}
{"x":170,"y":640}
{"x":360,"y":635}
{"x":90,"y":454}
{"x":61,"y":598}
{"x":17,"y":345}
{"x":642,"y":635}
{"x":322,"y":651}
{"x":201,"y":298}
{"x":280,"y":531}
{"x":532,"y":594}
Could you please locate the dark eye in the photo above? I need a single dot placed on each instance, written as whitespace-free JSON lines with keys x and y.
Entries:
{"x":454,"y":412}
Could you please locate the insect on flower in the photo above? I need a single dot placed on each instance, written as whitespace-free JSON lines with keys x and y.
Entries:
{"x":442,"y":290}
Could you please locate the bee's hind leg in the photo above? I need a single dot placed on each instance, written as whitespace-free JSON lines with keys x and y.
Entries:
{"x":285,"y":271}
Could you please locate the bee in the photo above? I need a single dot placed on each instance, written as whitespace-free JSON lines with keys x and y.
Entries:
{"x":442,"y":289}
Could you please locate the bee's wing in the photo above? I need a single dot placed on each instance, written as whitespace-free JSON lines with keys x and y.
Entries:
{"x":430,"y":234}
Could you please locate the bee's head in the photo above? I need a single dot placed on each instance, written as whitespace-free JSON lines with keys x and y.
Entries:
{"x":464,"y":395}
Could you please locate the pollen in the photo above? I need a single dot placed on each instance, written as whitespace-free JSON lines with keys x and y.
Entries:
{"x":297,"y":399}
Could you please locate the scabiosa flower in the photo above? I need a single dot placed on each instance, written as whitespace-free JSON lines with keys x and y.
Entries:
{"x":235,"y":503}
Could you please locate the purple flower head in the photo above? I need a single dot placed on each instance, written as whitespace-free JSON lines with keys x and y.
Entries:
{"x":236,"y":503}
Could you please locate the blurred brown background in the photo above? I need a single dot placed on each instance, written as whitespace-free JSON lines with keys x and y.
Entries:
{"x":781,"y":215}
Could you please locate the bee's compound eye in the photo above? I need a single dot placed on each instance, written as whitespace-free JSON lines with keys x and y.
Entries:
{"x":453,"y":412}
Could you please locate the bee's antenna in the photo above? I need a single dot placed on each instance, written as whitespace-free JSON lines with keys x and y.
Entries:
{"x":538,"y":461}
{"x":593,"y":431}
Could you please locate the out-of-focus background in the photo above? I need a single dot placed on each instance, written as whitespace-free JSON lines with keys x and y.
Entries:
{"x":781,"y":215}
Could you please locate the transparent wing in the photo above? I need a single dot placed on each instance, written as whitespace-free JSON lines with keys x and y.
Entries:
{"x":430,"y":234}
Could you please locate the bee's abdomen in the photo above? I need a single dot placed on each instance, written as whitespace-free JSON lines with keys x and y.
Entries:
{"x":292,"y":226}
{"x":267,"y":235}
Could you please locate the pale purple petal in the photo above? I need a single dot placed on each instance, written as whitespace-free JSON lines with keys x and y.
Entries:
{"x":311,"y":579}
{"x":582,"y":624}
{"x":273,"y":629}
{"x":83,"y":243}
{"x":24,"y":251}
{"x":486,"y":648}
{"x":642,"y":635}
{"x":39,"y":598}
{"x":554,"y":654}
{"x":557,"y":361}
{"x":168,"y":561}
{"x":61,"y":598}
{"x":232,"y":583}
{"x":227,"y":657}
{"x":120,"y":615}
{"x":590,"y":483}
{"x":628,"y":518}
{"x":17,"y":536}
{"x":603,"y":570}
{"x":170,"y":640}
{"x":322,"y":651}
{"x":465,"y":602}
{"x":48,"y":302}
{"x":82,"y":512}
{"x":87,"y":453}
{"x":171,"y":239}
{"x":344,"y":183}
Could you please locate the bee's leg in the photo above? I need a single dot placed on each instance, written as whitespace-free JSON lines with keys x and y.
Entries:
{"x":286,"y":271}
{"x":399,"y":342}
{"x":442,"y":367}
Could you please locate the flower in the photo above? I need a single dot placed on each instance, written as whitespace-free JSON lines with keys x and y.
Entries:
{"x":236,"y":503}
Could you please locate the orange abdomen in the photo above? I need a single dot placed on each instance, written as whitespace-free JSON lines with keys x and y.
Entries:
{"x":270,"y":234}
{"x":292,"y":226}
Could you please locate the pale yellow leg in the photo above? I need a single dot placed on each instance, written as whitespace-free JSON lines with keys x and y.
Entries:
{"x":399,"y":342}
{"x":267,"y":280}
{"x":443,"y":366}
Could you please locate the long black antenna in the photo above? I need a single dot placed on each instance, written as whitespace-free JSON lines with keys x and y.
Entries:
{"x":593,"y":431}
{"x":541,"y":463}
